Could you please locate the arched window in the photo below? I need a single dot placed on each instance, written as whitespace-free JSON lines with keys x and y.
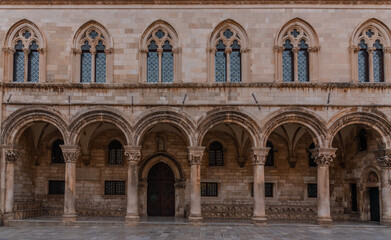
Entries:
{"x":228,"y":48}
{"x":311,"y":159}
{"x":362,"y":140}
{"x":370,"y":47}
{"x":296,"y":50}
{"x":216,"y":154}
{"x":160,"y":54}
{"x":92,"y":52}
{"x":270,"y":155}
{"x":57,"y":156}
{"x":115,"y":153}
{"x":24,"y":49}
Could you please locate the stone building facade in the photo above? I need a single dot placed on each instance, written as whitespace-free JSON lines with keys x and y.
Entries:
{"x":262,"y":110}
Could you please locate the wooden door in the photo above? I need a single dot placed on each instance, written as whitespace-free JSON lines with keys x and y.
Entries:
{"x":374,"y":203}
{"x":161,"y":191}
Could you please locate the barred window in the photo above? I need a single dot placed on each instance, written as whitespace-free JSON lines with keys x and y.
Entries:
{"x":100,"y":63}
{"x":86,"y":62}
{"x":57,"y":156}
{"x":312,"y":190}
{"x":114,"y":187}
{"x":56,"y":187}
{"x":378,"y":62}
{"x":209,"y":189}
{"x":115,"y":153}
{"x":19,"y":62}
{"x":287,"y":62}
{"x":311,"y":159}
{"x":270,"y":155}
{"x":303,"y":62}
{"x":33,"y":63}
{"x":363,"y":62}
{"x":216,"y":154}
{"x":220,"y":62}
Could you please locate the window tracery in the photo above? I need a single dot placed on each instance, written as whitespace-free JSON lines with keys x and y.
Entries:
{"x":228,"y":48}
{"x":160,"y":54}
{"x":92,"y":52}
{"x":24,"y":53}
{"x":296,"y":52}
{"x":370,"y":43}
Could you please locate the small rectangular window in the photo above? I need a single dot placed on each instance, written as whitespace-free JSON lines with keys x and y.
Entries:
{"x":56,"y":187}
{"x":353,"y":188}
{"x":209,"y":189}
{"x":312,"y":189}
{"x":114,"y":187}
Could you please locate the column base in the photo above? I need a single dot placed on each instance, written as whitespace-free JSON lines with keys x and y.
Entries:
{"x":6,"y":218}
{"x":68,"y":218}
{"x":132,"y":219}
{"x":324,"y":222}
{"x":259,"y":221}
{"x":386,"y":222}
{"x":195,"y":219}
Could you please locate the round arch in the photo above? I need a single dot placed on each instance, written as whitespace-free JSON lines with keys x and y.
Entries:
{"x":374,"y":120}
{"x":236,"y":116}
{"x":311,"y":121}
{"x":23,"y":118}
{"x":99,"y":114}
{"x":164,"y":115}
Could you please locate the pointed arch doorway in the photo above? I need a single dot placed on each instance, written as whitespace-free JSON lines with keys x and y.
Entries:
{"x":161,"y":191}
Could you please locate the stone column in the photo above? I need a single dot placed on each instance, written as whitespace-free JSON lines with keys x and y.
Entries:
{"x":323,"y":157}
{"x":259,"y":158}
{"x":11,"y":155}
{"x":195,"y":157}
{"x":71,"y":154}
{"x":384,"y":161}
{"x":133,"y":155}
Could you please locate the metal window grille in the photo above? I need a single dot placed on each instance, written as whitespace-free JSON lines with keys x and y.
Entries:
{"x":312,"y":190}
{"x":209,"y":189}
{"x":114,"y":187}
{"x":56,"y":187}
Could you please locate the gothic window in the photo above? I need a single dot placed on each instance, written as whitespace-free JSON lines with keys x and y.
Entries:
{"x":24,"y":47}
{"x":362,"y":140}
{"x":92,"y":52}
{"x":161,"y":54}
{"x":115,"y":153}
{"x":228,"y":53}
{"x":270,"y":155}
{"x":311,"y":159}
{"x":57,"y":156}
{"x":216,"y":154}
{"x":370,"y":45}
{"x":114,"y":187}
{"x":296,"y":52}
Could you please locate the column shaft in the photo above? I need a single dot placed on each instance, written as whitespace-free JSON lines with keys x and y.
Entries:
{"x":384,"y":161}
{"x":195,"y":156}
{"x":259,"y":158}
{"x":133,"y":158}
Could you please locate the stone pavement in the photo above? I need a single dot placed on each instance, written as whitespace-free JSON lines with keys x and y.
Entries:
{"x":206,"y":232}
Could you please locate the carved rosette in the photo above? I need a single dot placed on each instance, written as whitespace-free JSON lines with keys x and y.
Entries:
{"x":11,"y":155}
{"x":132,"y":154}
{"x":384,"y":158}
{"x":70,"y":152}
{"x":258,"y":155}
{"x":195,"y":155}
{"x":323,"y":156}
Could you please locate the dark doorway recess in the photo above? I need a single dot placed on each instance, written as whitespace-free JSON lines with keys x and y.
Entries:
{"x":161,"y":191}
{"x":374,"y":203}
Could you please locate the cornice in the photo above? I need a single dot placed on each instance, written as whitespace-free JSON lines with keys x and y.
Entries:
{"x":188,"y":2}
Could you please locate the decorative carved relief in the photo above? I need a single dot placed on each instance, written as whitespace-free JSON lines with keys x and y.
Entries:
{"x":195,"y":155}
{"x":11,"y":155}
{"x":383,"y":157}
{"x":70,"y":152}
{"x":132,"y":154}
{"x":323,"y":156}
{"x":259,"y":155}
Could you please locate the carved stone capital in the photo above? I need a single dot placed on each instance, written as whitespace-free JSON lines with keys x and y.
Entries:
{"x":132,"y":154}
{"x":180,"y":183}
{"x":195,"y":155}
{"x":177,"y":50}
{"x":211,"y":50}
{"x":109,"y":51}
{"x":383,"y":158}
{"x":11,"y":155}
{"x":278,"y":49}
{"x":159,"y":51}
{"x":70,"y":152}
{"x":371,"y":49}
{"x":26,"y":51}
{"x":258,"y":155}
{"x":8,"y":50}
{"x":387,"y":50}
{"x":76,"y":51}
{"x":41,"y":50}
{"x":143,"y":50}
{"x":228,"y":50}
{"x":323,"y":156}
{"x":295,"y":50}
{"x":354,"y":49}
{"x":314,"y":49}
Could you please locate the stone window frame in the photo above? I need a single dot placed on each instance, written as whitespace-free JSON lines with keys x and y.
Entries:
{"x":176,"y":50}
{"x":383,"y":34}
{"x":222,"y":142}
{"x":106,"y":153}
{"x":79,"y":40}
{"x":103,"y":185}
{"x":12,"y":37}
{"x":307,"y":33}
{"x":243,"y":41}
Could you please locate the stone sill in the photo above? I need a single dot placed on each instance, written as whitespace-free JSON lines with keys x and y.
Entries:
{"x":332,"y":85}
